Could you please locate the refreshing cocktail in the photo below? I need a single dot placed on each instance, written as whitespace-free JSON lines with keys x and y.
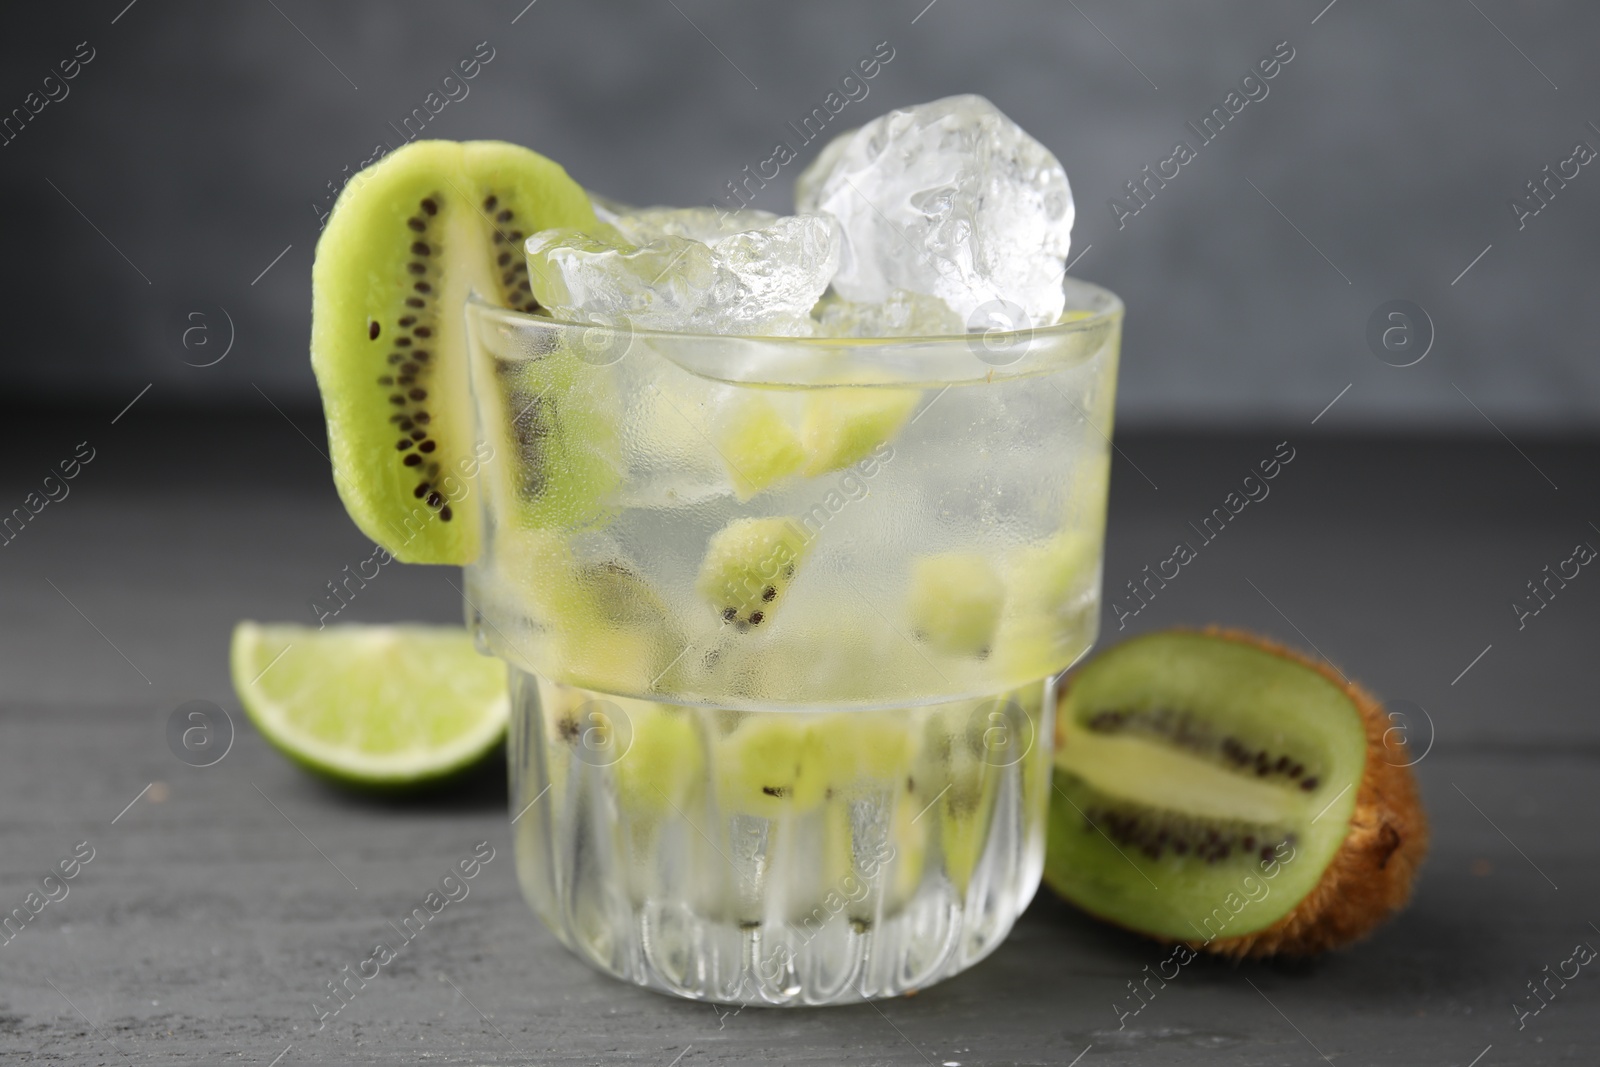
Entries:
{"x":784,"y":525}
{"x":789,"y":745}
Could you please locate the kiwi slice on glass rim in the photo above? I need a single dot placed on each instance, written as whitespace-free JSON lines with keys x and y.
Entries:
{"x":408,"y":240}
{"x":1218,"y":789}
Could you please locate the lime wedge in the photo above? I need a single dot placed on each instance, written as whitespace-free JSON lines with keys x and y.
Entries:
{"x":373,"y":705}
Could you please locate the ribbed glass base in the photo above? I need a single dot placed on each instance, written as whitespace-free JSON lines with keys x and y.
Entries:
{"x":778,"y":858}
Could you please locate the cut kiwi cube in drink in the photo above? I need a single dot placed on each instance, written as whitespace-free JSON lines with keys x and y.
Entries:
{"x":612,"y":630}
{"x":867,"y":752}
{"x":770,"y":765}
{"x":557,"y":454}
{"x":1048,"y":574}
{"x":749,"y":565}
{"x":954,"y":603}
{"x":599,"y":623}
{"x":757,"y":446}
{"x":1215,"y":788}
{"x":843,"y":425}
{"x":409,"y":238}
{"x":969,"y":774}
{"x":1050,"y":587}
{"x":664,"y":764}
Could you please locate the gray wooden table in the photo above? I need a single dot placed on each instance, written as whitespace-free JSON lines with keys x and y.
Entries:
{"x":220,"y":901}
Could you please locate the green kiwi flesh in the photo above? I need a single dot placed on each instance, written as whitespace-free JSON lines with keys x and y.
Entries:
{"x":748,"y":566}
{"x":1202,"y":785}
{"x":408,"y":240}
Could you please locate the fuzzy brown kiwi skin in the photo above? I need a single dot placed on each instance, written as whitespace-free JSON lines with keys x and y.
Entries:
{"x":1371,"y":876}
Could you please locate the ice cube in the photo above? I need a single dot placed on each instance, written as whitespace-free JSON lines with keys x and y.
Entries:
{"x":752,"y":281}
{"x":581,"y":278}
{"x":782,"y":269}
{"x":903,"y":314}
{"x":951,"y":199}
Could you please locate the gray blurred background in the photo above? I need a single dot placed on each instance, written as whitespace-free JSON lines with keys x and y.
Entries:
{"x":168,"y":201}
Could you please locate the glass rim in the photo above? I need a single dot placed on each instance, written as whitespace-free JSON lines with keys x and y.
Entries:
{"x":1111,"y":311}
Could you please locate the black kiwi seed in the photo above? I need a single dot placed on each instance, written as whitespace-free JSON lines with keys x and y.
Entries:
{"x":420,"y":355}
{"x":396,"y":357}
{"x":412,"y":459}
{"x":397,"y":399}
{"x":490,"y":201}
{"x":423,"y":287}
{"x":413,"y":302}
{"x":402,"y":342}
{"x":774,"y":791}
{"x":418,"y":394}
{"x":729,"y":614}
{"x":504,"y":216}
{"x":420,"y":491}
{"x":768,"y":593}
{"x":427,"y":446}
{"x":405,"y":423}
{"x":416,"y":224}
{"x":420,"y":248}
{"x":407,"y":320}
{"x":445,"y":513}
{"x":1296,"y":771}
{"x":422,"y":418}
{"x":403,"y":444}
{"x":416,"y":268}
{"x":755,"y":618}
{"x":1309,"y":785}
{"x":372,"y":330}
{"x":435,"y":500}
{"x":503,"y":258}
{"x":386,"y":380}
{"x":410,"y":368}
{"x":430,"y":207}
{"x":417,"y":435}
{"x":516,"y":235}
{"x":422,"y":331}
{"x":406,"y":379}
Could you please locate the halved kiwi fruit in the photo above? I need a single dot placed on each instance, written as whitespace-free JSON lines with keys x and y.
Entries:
{"x":1221,"y":790}
{"x":407,"y":241}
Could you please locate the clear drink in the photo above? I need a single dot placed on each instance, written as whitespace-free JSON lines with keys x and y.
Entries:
{"x":783,"y":618}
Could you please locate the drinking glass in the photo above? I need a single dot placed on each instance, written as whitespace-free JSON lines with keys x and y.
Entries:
{"x":784,"y":619}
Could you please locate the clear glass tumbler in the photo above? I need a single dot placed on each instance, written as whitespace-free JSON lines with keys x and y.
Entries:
{"x":783,"y":618}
